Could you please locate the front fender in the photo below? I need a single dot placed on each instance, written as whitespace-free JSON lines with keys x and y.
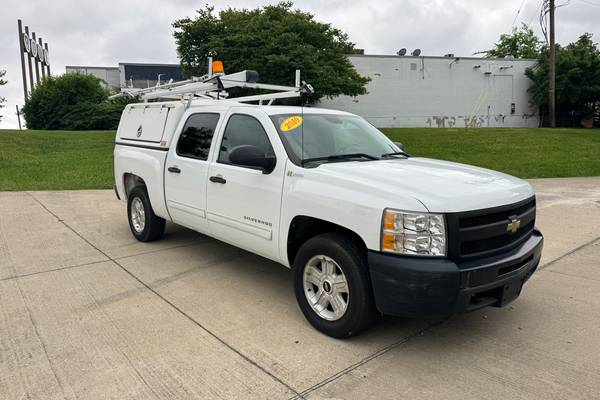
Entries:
{"x":309,"y":192}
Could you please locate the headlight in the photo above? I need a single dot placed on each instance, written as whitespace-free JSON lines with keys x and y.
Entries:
{"x":418,"y":234}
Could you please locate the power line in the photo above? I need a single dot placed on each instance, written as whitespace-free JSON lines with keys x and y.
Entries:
{"x":518,"y":12}
{"x":544,"y":10}
{"x":533,"y":16}
{"x":590,"y":3}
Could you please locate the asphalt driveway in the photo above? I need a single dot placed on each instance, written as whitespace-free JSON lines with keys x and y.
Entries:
{"x":88,"y":312}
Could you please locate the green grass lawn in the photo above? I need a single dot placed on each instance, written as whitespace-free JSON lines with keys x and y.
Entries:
{"x":40,"y":160}
{"x":526,"y":153}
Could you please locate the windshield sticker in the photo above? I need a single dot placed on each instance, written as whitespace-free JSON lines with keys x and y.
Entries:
{"x":291,"y":123}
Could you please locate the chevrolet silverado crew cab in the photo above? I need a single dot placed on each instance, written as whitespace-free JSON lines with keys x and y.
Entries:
{"x":366,"y":228}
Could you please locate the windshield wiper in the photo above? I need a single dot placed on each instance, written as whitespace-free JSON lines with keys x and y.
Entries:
{"x":395,"y":153}
{"x":340,"y":157}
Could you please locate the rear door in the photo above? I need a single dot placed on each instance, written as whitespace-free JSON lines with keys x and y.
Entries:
{"x":186,"y":170}
{"x":243,"y":204}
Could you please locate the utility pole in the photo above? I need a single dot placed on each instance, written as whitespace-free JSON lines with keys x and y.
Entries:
{"x":552,"y":71}
{"x":19,"y":117}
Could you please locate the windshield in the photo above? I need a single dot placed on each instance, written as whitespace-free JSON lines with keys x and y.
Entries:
{"x":312,"y":136}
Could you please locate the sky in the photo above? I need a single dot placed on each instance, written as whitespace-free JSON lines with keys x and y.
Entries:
{"x":104,"y":33}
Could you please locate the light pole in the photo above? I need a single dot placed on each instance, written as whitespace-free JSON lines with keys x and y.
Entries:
{"x":552,"y":71}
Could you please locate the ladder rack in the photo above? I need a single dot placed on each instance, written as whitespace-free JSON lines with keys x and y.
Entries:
{"x":214,"y":86}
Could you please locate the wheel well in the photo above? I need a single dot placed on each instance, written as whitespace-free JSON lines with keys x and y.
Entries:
{"x":130,"y":181}
{"x":303,"y":228}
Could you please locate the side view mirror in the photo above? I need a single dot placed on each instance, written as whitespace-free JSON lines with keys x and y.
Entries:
{"x":253,"y":157}
{"x":400,"y":145}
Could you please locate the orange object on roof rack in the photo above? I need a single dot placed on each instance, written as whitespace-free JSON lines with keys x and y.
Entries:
{"x":217,"y":67}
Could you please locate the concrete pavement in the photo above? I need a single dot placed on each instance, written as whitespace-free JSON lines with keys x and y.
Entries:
{"x":88,"y":312}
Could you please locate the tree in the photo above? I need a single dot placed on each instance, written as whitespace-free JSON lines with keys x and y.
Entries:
{"x":275,"y":41}
{"x":73,"y":102}
{"x":577,"y":81}
{"x":520,"y":43}
{"x":2,"y":83}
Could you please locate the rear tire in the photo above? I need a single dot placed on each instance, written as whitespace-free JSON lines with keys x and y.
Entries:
{"x":332,"y":285}
{"x":144,"y":224}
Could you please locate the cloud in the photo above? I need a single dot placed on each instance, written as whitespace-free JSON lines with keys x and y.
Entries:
{"x":107,"y":32}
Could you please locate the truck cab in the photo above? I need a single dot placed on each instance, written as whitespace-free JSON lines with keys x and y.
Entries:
{"x":367,"y":228}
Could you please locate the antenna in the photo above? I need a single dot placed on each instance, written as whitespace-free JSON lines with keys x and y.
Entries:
{"x":416,"y":53}
{"x":401,"y":52}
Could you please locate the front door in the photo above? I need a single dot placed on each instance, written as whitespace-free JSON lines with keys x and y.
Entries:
{"x":243,"y":204}
{"x":186,"y":171}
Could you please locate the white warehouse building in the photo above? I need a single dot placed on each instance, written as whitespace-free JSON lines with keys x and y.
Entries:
{"x":409,"y":91}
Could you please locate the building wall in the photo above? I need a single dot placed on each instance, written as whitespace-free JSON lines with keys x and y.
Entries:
{"x":140,"y":75}
{"x":441,"y":92}
{"x":108,"y":75}
{"x":146,"y":75}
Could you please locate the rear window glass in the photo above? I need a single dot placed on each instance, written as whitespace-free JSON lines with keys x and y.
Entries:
{"x":197,"y":135}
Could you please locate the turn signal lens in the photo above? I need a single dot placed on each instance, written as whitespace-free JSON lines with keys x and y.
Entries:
{"x":388,"y":242}
{"x":389,"y":222}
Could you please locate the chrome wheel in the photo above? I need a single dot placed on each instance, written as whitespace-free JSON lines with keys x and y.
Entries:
{"x":138,"y":215}
{"x":326,"y":287}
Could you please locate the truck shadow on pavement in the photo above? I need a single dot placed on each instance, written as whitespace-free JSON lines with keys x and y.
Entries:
{"x":203,"y":267}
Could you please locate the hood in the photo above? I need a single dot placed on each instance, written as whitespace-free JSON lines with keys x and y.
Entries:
{"x":441,"y":186}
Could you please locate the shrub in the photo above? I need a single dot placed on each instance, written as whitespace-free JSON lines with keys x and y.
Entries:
{"x":71,"y":102}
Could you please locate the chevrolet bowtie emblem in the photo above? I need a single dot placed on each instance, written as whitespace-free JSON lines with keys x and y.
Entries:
{"x":513,"y":225}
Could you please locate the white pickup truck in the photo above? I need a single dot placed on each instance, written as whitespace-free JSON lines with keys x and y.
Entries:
{"x":367,"y":229}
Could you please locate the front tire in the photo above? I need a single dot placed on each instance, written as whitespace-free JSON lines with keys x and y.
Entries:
{"x":332,"y":285}
{"x":144,"y":224}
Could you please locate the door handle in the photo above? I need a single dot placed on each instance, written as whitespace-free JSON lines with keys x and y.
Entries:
{"x":217,"y":179}
{"x":174,"y":169}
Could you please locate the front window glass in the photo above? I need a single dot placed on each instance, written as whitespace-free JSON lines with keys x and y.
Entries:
{"x":243,"y":130}
{"x":311,"y":136}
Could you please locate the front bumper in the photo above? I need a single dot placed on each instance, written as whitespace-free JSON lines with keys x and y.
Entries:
{"x":411,"y":286}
